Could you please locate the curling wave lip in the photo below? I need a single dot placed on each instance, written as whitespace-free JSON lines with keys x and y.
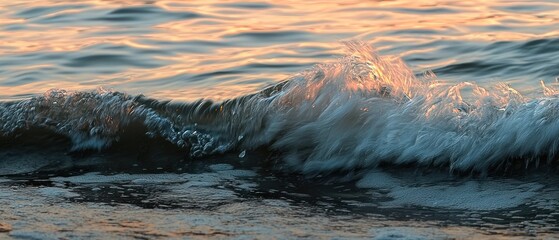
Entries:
{"x":361,"y":111}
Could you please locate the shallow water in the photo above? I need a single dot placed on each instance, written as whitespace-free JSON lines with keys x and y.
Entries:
{"x":361,"y":145}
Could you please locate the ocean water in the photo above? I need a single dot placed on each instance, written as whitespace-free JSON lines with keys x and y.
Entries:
{"x":254,"y":119}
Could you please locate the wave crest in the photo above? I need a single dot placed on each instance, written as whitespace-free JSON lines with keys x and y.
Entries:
{"x":358,"y":112}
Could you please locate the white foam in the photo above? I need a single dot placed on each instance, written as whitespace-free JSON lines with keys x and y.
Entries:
{"x":440,"y":191}
{"x":358,"y":112}
{"x":94,"y":177}
{"x":57,"y":192}
{"x":368,"y":109}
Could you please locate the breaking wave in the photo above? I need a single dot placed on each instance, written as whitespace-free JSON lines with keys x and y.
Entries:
{"x":358,"y":112}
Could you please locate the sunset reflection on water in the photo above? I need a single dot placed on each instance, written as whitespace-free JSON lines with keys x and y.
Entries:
{"x":398,"y":119}
{"x":223,"y":49}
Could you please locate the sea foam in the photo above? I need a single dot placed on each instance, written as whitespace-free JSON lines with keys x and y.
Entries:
{"x":357,"y":112}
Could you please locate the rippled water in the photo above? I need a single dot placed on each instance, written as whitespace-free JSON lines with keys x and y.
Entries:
{"x":218,"y":50}
{"x":329,"y":153}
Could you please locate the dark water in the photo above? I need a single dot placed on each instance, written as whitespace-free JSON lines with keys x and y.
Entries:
{"x":447,"y":128}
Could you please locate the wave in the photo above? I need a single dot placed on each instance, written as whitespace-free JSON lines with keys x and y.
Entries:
{"x":358,"y":112}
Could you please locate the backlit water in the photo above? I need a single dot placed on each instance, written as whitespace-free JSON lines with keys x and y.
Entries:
{"x":187,"y":50}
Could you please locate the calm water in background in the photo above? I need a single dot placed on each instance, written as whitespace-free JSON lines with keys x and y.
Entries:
{"x":222,"y":49}
{"x":186,"y":50}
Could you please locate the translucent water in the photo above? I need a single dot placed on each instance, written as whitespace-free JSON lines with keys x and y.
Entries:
{"x":228,"y":119}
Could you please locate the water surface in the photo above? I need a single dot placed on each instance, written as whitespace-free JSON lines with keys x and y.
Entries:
{"x":319,"y":135}
{"x":224,"y":49}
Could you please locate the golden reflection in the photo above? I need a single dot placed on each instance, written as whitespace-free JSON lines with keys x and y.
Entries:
{"x":222,"y":39}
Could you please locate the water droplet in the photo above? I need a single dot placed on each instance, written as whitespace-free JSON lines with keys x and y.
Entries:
{"x":240,"y":138}
{"x":242,"y":154}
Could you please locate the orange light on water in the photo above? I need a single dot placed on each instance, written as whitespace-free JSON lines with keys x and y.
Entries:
{"x":216,"y":37}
